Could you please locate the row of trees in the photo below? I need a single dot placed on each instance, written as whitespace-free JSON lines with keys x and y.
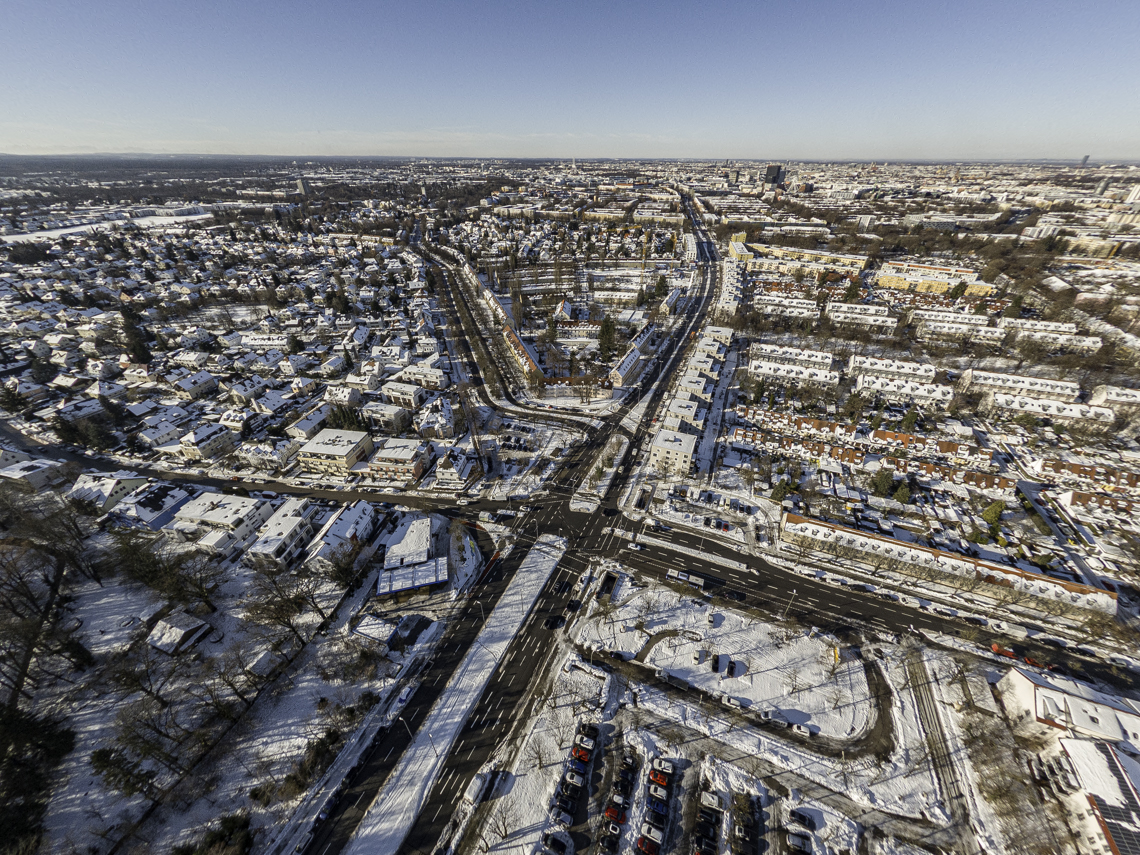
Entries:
{"x":42,"y":545}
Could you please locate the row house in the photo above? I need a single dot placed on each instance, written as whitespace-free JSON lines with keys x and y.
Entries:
{"x":984,"y":481}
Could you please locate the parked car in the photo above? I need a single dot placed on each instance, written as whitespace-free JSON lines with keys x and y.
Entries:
{"x":574,"y":779}
{"x":584,"y":742}
{"x":652,"y":833}
{"x":803,"y":818}
{"x":616,"y":813}
{"x":709,"y":815}
{"x":647,"y":846}
{"x":560,"y":817}
{"x":711,"y":800}
{"x":658,"y":777}
{"x":658,"y":792}
{"x":554,"y":843}
{"x":580,"y":754}
{"x":799,"y":842}
{"x":662,"y":765}
{"x":576,"y":765}
{"x":657,"y":806}
{"x":706,"y":829}
{"x":801,"y":730}
{"x":773,"y":717}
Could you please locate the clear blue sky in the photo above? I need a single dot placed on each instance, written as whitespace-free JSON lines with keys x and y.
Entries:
{"x":797,"y":79}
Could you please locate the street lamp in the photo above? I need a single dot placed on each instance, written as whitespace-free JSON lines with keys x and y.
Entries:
{"x":789,"y":605}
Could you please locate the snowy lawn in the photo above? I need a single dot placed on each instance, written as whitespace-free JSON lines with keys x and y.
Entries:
{"x":805,"y":675}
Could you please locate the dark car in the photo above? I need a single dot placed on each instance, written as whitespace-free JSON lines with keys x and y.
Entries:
{"x":566,"y":804}
{"x":803,"y":818}
{"x":588,"y":729}
{"x":554,"y":844}
{"x":629,"y":762}
{"x":707,"y":814}
{"x":576,"y":765}
{"x":623,"y":787}
{"x":657,"y":806}
{"x":554,"y":622}
{"x":731,"y":670}
{"x":573,"y":606}
{"x":570,"y":791}
{"x":655,"y":819}
{"x":706,"y":829}
{"x":735,"y":596}
{"x":609,"y":843}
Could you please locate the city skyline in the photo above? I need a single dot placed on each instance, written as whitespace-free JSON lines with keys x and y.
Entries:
{"x":835,"y":82}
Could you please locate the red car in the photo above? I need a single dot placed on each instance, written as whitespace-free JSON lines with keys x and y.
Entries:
{"x":644,"y":844}
{"x":616,"y":814}
{"x":579,"y":753}
{"x":659,"y":777}
{"x":1029,"y":660}
{"x":1001,"y":651}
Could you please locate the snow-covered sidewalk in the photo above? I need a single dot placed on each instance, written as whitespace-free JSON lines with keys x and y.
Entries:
{"x":393,"y":813}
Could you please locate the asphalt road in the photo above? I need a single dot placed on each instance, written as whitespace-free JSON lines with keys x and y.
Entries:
{"x":332,"y":835}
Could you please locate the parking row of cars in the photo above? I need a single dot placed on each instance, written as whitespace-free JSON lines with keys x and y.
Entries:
{"x":616,"y":812}
{"x":568,"y":795}
{"x":659,"y":780}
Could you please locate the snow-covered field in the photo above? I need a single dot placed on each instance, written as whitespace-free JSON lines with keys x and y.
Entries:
{"x":393,"y":812}
{"x":806,"y":675}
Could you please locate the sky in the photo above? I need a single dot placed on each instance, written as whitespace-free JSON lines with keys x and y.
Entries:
{"x":801,"y":79}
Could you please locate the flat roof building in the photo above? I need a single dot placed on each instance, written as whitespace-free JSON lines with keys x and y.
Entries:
{"x":672,"y":452}
{"x":335,"y":451}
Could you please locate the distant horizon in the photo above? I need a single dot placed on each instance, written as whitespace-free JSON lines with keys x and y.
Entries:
{"x":908,"y":161}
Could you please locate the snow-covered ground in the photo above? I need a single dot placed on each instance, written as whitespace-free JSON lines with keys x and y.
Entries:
{"x":393,"y":812}
{"x":808,"y":676}
{"x":464,"y":559}
{"x":315,"y":692}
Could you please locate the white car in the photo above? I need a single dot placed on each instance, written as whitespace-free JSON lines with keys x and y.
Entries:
{"x":584,"y":742}
{"x":662,"y":765}
{"x":651,"y":833}
{"x":636,"y":547}
{"x":658,"y":792}
{"x":801,"y":730}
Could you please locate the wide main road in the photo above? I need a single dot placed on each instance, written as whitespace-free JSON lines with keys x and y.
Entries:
{"x":503,"y":704}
